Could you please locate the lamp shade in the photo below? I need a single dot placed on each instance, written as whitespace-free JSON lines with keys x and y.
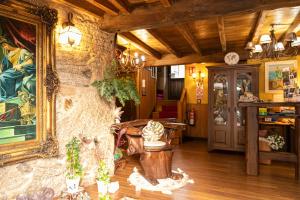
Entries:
{"x":265,"y":39}
{"x":296,"y":43}
{"x":194,"y":75}
{"x":291,"y":37}
{"x":70,"y":35}
{"x":279,"y":46}
{"x":202,"y":75}
{"x":249,"y":46}
{"x":257,"y":49}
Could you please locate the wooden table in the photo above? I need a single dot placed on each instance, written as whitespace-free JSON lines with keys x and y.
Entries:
{"x":157,"y":163}
{"x":252,"y":152}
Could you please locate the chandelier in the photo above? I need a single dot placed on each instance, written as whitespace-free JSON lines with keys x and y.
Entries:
{"x":270,"y":47}
{"x":129,"y":62}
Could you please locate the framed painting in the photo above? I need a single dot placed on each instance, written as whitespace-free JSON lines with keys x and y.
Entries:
{"x":279,"y":74}
{"x":28,"y":82}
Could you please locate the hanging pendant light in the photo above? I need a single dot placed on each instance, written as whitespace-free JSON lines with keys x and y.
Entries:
{"x":296,"y":42}
{"x":269,"y":47}
{"x":279,"y":46}
{"x":129,"y":62}
{"x":265,"y":39}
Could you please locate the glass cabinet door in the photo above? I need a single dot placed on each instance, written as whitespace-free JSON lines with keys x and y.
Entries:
{"x":243,"y":84}
{"x":220,"y":99}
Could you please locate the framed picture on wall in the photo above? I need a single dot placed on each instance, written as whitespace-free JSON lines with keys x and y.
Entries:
{"x":279,"y":74}
{"x":28,"y":82}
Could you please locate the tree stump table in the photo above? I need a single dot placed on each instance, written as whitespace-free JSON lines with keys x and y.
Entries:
{"x":157,"y":163}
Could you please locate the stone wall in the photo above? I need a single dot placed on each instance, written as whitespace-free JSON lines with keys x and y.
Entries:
{"x":79,"y":109}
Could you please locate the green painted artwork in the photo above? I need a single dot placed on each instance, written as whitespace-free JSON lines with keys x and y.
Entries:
{"x":17,"y":81}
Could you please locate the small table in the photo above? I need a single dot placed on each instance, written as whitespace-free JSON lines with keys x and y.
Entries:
{"x":252,"y":152}
{"x":157,"y":162}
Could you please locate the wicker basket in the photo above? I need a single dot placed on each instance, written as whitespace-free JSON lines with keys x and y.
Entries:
{"x":264,"y":146}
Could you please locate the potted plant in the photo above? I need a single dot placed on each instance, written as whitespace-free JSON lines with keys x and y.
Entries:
{"x":116,"y":85}
{"x":102,"y":178}
{"x":74,"y":168}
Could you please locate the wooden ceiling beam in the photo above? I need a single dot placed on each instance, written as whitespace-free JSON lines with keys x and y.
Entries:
{"x":257,"y":26}
{"x":105,"y":6}
{"x":140,"y":44}
{"x":186,"y":11}
{"x":158,"y":37}
{"x":221,"y":29}
{"x":170,"y":59}
{"x":166,"y":3}
{"x":121,"y":5}
{"x":185,"y":31}
{"x":83,"y":6}
{"x":292,"y":28}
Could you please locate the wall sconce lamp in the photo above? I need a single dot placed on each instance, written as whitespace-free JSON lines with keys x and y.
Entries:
{"x":202,"y":76}
{"x":70,"y":35}
{"x":191,"y":70}
{"x":198,"y":77}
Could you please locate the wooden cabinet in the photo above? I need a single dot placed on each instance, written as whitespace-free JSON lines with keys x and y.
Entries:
{"x":226,"y":121}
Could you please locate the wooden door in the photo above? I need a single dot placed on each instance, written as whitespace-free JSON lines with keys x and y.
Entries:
{"x":245,"y":80}
{"x":220,"y":128}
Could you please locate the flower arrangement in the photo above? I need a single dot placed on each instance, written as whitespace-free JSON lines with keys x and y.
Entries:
{"x":276,"y":142}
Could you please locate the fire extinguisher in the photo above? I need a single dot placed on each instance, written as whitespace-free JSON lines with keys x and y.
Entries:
{"x":192,"y":117}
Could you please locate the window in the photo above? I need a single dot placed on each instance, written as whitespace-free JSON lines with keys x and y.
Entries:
{"x":177,"y":71}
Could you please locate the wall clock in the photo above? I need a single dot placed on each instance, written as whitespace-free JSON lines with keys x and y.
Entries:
{"x":231,"y":58}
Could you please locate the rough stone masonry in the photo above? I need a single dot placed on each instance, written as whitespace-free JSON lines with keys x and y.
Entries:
{"x":79,"y":109}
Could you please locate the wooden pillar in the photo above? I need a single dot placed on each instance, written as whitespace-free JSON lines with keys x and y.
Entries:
{"x":138,"y":86}
{"x":297,"y":143}
{"x":252,"y":141}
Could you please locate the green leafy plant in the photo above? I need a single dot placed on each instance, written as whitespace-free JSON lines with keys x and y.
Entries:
{"x":74,"y":168}
{"x":114,"y":85}
{"x":103,"y":173}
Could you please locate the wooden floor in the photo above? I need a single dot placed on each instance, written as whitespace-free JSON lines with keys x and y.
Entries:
{"x":217,"y":176}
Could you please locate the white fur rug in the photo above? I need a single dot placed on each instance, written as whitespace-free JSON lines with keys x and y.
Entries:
{"x":165,"y":186}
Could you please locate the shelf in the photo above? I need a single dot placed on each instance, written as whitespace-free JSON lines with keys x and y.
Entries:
{"x":276,"y":123}
{"x":278,"y":156}
{"x":269,"y":104}
{"x":278,"y":116}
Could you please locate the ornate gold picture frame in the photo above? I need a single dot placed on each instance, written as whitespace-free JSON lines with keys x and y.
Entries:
{"x":28,"y":82}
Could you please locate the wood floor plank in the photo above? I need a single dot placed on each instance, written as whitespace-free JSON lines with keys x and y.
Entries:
{"x":217,"y":176}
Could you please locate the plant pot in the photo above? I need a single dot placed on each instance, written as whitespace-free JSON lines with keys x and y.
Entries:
{"x":102,"y":187}
{"x":73,"y":185}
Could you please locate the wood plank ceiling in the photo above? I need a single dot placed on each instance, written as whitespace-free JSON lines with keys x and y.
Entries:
{"x":181,"y":31}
